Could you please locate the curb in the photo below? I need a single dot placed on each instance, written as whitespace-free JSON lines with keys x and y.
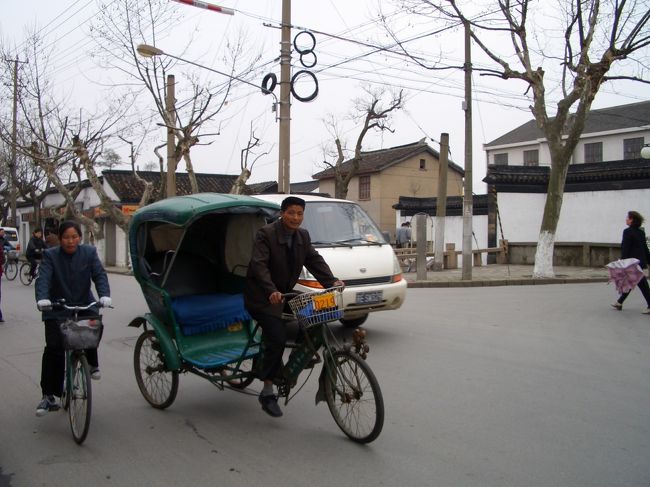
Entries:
{"x":505,"y":282}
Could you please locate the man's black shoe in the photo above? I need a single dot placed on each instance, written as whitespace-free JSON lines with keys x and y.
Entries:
{"x":270,"y":405}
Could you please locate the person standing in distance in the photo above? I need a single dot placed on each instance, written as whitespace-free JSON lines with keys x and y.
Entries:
{"x":280,"y":251}
{"x":66,"y":273}
{"x":634,"y":246}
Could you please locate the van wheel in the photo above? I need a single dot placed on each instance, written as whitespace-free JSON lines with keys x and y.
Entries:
{"x":354,"y":322}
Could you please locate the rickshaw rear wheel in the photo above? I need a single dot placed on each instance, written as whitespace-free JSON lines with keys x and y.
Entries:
{"x":353,"y":396}
{"x":157,"y":384}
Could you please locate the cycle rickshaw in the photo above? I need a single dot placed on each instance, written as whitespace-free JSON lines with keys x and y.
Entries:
{"x":190,"y":255}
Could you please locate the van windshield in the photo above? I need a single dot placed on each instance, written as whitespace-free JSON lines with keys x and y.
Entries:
{"x":336,"y":223}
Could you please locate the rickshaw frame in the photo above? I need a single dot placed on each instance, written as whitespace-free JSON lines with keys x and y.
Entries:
{"x":226,"y":353}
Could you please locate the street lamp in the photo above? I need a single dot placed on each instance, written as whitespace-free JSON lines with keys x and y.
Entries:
{"x":146,"y":50}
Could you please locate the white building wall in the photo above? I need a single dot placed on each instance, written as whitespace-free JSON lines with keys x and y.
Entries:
{"x":591,"y":216}
{"x":453,"y":232}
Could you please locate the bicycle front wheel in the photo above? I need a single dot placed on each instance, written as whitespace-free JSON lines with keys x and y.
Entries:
{"x":353,"y":396}
{"x":79,"y":397}
{"x":11,"y":270}
{"x":25,"y":276}
{"x":157,"y":383}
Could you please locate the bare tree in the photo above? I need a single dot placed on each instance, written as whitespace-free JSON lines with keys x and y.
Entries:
{"x":599,"y":41}
{"x":61,"y":142}
{"x":246,"y":166}
{"x":121,"y":27}
{"x":373,"y":111}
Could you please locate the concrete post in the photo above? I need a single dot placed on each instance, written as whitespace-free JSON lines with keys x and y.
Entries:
{"x":421,"y":256}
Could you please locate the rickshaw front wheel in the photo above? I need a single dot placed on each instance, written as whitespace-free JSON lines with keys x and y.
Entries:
{"x":157,"y":384}
{"x":353,"y":396}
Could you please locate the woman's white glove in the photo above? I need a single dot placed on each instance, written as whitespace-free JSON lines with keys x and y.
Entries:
{"x":43,"y":304}
{"x":105,"y":301}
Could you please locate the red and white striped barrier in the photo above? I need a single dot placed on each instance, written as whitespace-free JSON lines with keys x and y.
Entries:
{"x":208,"y":6}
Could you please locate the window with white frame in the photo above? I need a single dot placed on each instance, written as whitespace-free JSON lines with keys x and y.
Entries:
{"x":501,"y":159}
{"x":531,"y":157}
{"x":632,"y":148}
{"x":594,"y":152}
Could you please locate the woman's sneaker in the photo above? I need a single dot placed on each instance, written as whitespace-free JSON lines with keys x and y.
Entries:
{"x":47,"y":404}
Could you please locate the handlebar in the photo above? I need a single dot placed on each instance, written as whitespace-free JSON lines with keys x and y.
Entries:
{"x":60,"y":304}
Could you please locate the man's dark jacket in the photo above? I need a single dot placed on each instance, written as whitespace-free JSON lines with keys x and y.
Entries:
{"x":69,"y":276}
{"x":634,"y":246}
{"x":276,"y":267}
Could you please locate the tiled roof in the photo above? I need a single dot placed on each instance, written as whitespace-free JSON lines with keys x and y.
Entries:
{"x":304,"y":187}
{"x":611,"y":175}
{"x":129,"y":189}
{"x":378,"y":160}
{"x":409,"y":205}
{"x":606,"y":119}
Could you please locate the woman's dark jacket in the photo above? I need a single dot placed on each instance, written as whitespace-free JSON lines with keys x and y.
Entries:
{"x":634,"y":246}
{"x":276,"y":267}
{"x":69,"y":276}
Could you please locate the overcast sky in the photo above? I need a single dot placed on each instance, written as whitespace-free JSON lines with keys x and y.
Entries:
{"x":347,"y":30}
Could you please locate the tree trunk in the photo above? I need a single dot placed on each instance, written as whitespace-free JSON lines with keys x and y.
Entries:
{"x":554,"y":195}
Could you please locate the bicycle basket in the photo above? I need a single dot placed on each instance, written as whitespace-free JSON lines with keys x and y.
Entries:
{"x":319,"y":307}
{"x":82,"y":334}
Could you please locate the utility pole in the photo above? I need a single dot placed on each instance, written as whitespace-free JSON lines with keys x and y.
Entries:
{"x":467,"y":187}
{"x":170,"y":107}
{"x":441,"y":205}
{"x":285,"y":101}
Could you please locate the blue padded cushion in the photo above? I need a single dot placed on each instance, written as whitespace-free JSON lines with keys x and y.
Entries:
{"x":208,"y":312}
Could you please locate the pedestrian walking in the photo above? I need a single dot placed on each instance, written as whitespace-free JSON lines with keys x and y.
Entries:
{"x":634,"y":246}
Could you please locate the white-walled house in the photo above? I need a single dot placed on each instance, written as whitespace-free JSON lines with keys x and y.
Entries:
{"x":606,"y":179}
{"x":610,"y":134}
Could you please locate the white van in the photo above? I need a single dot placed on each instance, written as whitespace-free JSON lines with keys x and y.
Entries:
{"x":11,"y":236}
{"x":355,"y":249}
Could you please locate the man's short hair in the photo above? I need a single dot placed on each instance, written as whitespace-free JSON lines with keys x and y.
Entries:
{"x":292,"y":200}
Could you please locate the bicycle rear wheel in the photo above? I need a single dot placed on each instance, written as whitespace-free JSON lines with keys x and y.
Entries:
{"x":25,"y":276}
{"x":353,"y":396}
{"x":11,"y":270}
{"x":157,"y":384}
{"x":79,"y":397}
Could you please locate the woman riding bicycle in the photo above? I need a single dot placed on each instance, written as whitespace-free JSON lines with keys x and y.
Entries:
{"x":66,"y":273}
{"x":281,"y":249}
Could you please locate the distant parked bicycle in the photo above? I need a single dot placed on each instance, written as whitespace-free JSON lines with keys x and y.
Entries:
{"x":11,"y":264}
{"x":26,"y":277}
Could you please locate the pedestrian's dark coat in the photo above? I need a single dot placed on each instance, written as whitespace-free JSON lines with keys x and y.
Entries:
{"x":634,"y":246}
{"x":68,"y":276}
{"x":276,"y":267}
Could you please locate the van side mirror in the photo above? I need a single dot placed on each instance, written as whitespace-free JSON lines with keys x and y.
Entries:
{"x":386,"y":236}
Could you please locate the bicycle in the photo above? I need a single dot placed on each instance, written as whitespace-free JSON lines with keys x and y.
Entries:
{"x":78,"y":335}
{"x":11,"y":264}
{"x":26,"y":277}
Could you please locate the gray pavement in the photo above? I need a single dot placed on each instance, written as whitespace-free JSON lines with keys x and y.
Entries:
{"x":490,"y":275}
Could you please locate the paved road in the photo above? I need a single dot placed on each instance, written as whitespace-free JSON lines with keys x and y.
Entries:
{"x":488,"y":386}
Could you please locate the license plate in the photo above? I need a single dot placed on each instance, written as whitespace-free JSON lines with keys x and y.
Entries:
{"x":370,"y":297}
{"x":324,"y":301}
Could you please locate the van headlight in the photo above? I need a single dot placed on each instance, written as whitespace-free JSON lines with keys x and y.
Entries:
{"x":307,"y":279}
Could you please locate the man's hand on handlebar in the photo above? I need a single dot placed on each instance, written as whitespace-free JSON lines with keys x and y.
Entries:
{"x":276,"y":297}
